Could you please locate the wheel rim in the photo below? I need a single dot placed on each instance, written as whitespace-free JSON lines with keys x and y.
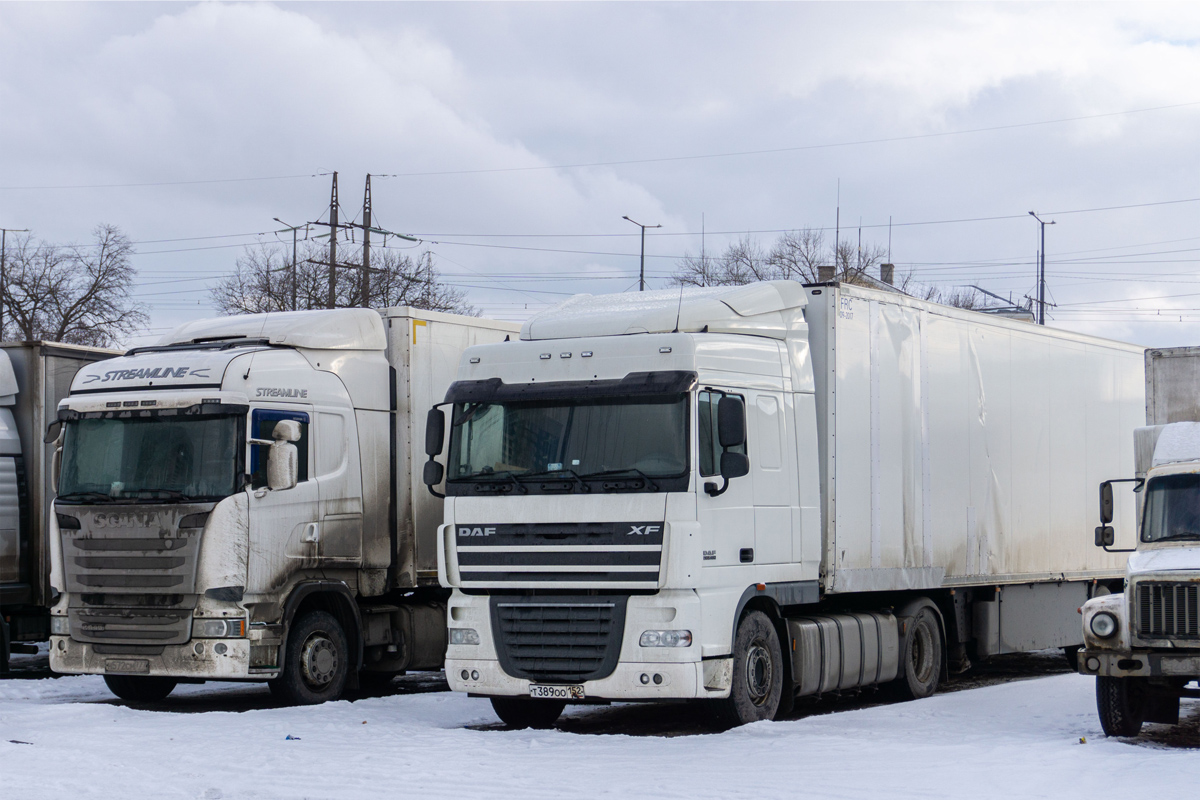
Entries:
{"x":759,"y":673}
{"x":318,"y":660}
{"x":921,"y":654}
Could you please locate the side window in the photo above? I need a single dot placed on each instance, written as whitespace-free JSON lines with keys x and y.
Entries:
{"x":710,"y":443}
{"x":262,"y":423}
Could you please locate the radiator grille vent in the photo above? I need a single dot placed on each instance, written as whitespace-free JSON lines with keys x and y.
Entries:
{"x":560,"y":640}
{"x":1168,"y":610}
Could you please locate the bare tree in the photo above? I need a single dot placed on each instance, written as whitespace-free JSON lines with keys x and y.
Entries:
{"x":796,"y":255}
{"x":78,"y":293}
{"x":262,"y":282}
{"x":743,"y":261}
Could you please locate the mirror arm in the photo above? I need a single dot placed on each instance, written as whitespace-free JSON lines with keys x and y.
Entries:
{"x":1108,"y":549}
{"x":710,"y":487}
{"x":435,"y":492}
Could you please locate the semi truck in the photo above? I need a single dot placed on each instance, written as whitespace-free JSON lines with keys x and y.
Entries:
{"x":238,"y":502}
{"x":750,"y":494}
{"x":34,"y":376}
{"x":1142,"y":638}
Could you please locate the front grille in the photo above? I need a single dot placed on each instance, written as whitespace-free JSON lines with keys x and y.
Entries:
{"x":558,"y":640}
{"x":1168,"y":610}
{"x":149,"y":626}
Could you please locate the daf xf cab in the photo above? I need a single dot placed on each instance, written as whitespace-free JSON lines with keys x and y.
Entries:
{"x":749,"y":494}
{"x":238,"y":503}
{"x":1142,"y":640}
{"x":34,"y":376}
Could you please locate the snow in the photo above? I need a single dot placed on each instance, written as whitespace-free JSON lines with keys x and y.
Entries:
{"x":1019,"y":739}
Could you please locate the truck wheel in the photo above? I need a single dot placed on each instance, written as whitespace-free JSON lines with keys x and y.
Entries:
{"x":316,"y":661}
{"x":522,"y":712}
{"x":920,"y":656}
{"x":757,"y":673}
{"x":1121,"y":704}
{"x":140,"y":688}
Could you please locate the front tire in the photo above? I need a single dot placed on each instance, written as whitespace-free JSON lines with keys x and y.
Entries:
{"x":316,"y":661}
{"x":920,"y":656}
{"x":757,"y":673}
{"x":140,"y":688}
{"x":1121,"y":704}
{"x":523,"y":712}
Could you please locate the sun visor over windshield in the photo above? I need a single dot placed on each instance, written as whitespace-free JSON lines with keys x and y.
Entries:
{"x":494,"y":390}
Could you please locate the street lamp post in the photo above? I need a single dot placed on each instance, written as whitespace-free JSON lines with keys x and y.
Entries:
{"x":293,"y":229}
{"x":642,"y":269}
{"x":1041,"y":289}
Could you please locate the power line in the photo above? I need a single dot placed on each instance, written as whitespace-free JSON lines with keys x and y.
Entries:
{"x":163,"y":183}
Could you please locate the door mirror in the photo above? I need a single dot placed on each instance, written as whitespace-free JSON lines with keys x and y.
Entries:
{"x":55,"y":467}
{"x":731,"y":423}
{"x":1106,"y":503}
{"x":433,"y":473}
{"x":1105,"y":536}
{"x":734,"y":465}
{"x":283,"y":459}
{"x":435,"y":433}
{"x":53,"y":431}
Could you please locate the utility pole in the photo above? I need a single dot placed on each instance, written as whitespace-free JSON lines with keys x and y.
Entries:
{"x":295,"y":277}
{"x":642,"y":269}
{"x":1041,"y":284}
{"x":331,"y":292}
{"x":4,"y":232}
{"x":364,"y":287}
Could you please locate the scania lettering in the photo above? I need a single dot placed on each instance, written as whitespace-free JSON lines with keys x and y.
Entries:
{"x":748,"y":494}
{"x":238,"y":502}
{"x":1142,"y":635}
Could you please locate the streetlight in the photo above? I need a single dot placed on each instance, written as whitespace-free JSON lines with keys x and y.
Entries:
{"x":642,"y":270}
{"x":1041,"y":292}
{"x":293,"y":229}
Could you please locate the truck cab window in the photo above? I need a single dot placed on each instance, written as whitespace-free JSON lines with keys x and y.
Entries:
{"x":262,"y":423}
{"x":710,"y":443}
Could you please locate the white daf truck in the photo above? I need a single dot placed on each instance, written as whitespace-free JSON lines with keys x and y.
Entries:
{"x":749,"y":494}
{"x":1142,"y":641}
{"x":239,"y":503}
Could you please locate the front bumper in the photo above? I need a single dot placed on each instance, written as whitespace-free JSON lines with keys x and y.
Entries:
{"x":1140,"y":664}
{"x":678,"y":680}
{"x":198,"y":659}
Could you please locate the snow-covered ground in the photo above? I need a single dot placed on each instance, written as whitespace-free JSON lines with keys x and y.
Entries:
{"x":65,"y":738}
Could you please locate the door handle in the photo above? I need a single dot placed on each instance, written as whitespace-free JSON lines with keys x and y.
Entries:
{"x":747,"y":555}
{"x":312,"y":533}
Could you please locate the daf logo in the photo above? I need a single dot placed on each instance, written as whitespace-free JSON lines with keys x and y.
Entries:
{"x":643,"y":530}
{"x":476,"y":531}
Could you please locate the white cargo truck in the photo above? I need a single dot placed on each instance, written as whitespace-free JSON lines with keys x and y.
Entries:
{"x":239,"y":503}
{"x":1142,"y":642}
{"x":34,"y":376}
{"x":749,"y":494}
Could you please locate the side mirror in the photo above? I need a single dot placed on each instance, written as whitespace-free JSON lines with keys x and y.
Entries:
{"x":731,"y":422}
{"x":53,"y":431}
{"x":734,"y":465}
{"x":435,"y":433}
{"x":283,"y":460}
{"x":1105,"y":536}
{"x":1106,"y":503}
{"x":433,"y":473}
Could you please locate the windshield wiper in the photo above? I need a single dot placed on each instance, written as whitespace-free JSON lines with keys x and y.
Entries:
{"x":161,"y":494}
{"x":494,"y":479}
{"x":627,"y":470}
{"x":574,"y":476}
{"x":102,"y":497}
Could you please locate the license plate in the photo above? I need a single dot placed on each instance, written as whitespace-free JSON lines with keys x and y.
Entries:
{"x":556,"y":692}
{"x":133,"y":666}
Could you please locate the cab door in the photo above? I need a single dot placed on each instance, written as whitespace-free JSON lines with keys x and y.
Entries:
{"x":726,"y":520}
{"x":774,"y":493}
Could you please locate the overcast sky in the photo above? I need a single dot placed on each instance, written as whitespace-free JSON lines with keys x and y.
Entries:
{"x":482,"y":111}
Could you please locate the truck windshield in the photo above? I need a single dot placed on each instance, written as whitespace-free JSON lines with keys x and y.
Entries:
{"x":642,"y":438}
{"x":1172,"y":508}
{"x":155,"y":458}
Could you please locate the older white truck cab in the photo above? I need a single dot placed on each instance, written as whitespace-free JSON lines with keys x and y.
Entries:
{"x":238,"y":502}
{"x":1143,"y":642}
{"x":748,"y":494}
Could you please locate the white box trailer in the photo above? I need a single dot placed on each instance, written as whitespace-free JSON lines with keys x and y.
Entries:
{"x":896,"y":480}
{"x":34,"y":376}
{"x":240,"y":502}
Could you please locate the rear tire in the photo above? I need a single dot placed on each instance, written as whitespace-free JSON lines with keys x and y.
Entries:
{"x":140,"y":688}
{"x":316,"y":661}
{"x":1121,"y":705}
{"x":757,"y":673}
{"x":523,"y":712}
{"x":920,"y":656}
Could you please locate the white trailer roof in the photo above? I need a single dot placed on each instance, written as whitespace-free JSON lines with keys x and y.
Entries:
{"x":770,"y":309}
{"x":333,"y":329}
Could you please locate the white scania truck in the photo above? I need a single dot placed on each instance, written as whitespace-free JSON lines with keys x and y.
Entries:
{"x":748,"y":494}
{"x":1142,"y":642}
{"x":239,"y":503}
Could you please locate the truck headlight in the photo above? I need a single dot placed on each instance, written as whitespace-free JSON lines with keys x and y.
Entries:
{"x":218,"y":628}
{"x":666,"y":639}
{"x":464,"y":636}
{"x":60,"y":626}
{"x":1104,"y":624}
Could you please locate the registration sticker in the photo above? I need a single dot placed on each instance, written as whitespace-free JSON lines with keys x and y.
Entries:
{"x":556,"y":692}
